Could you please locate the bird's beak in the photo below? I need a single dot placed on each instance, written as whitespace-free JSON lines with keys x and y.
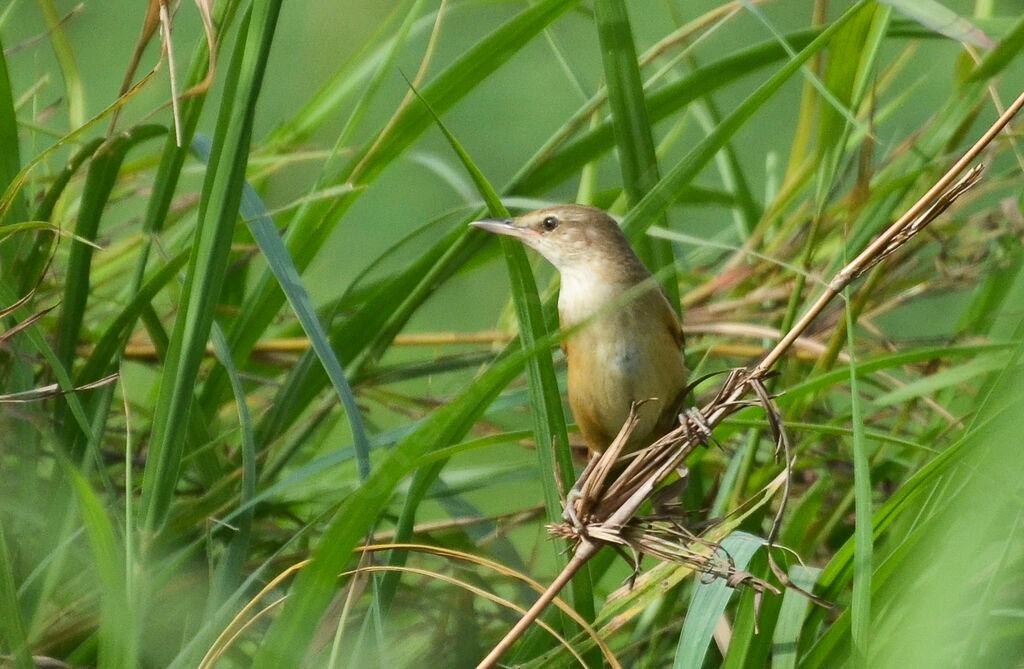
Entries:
{"x":502,"y":226}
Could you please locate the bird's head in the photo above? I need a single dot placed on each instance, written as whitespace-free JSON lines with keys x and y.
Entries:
{"x":574,"y":238}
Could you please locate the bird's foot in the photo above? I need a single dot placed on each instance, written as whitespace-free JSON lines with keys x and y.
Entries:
{"x":695,"y":426}
{"x":569,"y":513}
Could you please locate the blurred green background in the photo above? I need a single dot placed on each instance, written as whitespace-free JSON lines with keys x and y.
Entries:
{"x":929,"y":442}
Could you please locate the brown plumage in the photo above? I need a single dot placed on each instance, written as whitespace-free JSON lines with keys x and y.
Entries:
{"x":630,"y":347}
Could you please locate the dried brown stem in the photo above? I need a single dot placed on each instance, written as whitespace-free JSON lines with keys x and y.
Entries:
{"x":585,"y":551}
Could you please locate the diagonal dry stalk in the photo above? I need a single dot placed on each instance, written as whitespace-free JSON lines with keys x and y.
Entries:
{"x":606,"y":511}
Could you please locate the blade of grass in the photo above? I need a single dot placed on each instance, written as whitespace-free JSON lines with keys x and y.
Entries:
{"x":104,"y":168}
{"x":73,"y":87}
{"x":860,"y":608}
{"x":230,"y":572}
{"x":165,"y":183}
{"x":118,"y":624}
{"x":936,"y":16}
{"x":18,"y":370}
{"x":631,"y":127}
{"x":709,"y":601}
{"x":757,"y":617}
{"x":10,"y":159}
{"x":996,"y":60}
{"x":222,"y":193}
{"x":947,"y":378}
{"x":791,"y":618}
{"x":12,"y":623}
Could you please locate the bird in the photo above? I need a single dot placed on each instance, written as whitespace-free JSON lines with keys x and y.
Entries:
{"x":628,"y":346}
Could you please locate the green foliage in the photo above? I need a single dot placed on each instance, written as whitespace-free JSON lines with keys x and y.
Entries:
{"x":284,"y":342}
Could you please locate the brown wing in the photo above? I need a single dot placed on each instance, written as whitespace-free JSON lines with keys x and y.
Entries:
{"x":671,"y":320}
{"x":675,"y":404}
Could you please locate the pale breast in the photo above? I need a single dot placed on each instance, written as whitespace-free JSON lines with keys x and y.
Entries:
{"x":627,"y":355}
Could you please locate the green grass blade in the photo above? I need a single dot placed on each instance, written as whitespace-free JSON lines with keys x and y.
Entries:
{"x":755,"y":621}
{"x":99,"y":182}
{"x":936,"y":16}
{"x":947,"y":378}
{"x":996,"y":60}
{"x":231,"y":570}
{"x":222,"y":193}
{"x":785,"y":641}
{"x":631,"y":126}
{"x":860,"y":609}
{"x":709,"y":602}
{"x":73,"y":87}
{"x":118,"y":633}
{"x":10,"y":160}
{"x":12,"y":623}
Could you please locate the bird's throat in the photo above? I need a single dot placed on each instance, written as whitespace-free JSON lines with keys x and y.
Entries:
{"x":583,"y":295}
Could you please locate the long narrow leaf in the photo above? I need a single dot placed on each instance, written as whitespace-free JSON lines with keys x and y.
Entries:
{"x":709,"y":602}
{"x":222,"y":194}
{"x":637,"y":160}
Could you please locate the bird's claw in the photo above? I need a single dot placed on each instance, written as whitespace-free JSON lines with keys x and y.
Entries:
{"x":569,"y":513}
{"x":694,"y":425}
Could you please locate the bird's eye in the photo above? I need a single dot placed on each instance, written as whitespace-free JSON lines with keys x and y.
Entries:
{"x":550,"y":223}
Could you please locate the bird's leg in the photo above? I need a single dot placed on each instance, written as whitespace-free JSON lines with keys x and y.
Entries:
{"x":575,"y":494}
{"x":694,"y":425}
{"x":634,"y":561}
